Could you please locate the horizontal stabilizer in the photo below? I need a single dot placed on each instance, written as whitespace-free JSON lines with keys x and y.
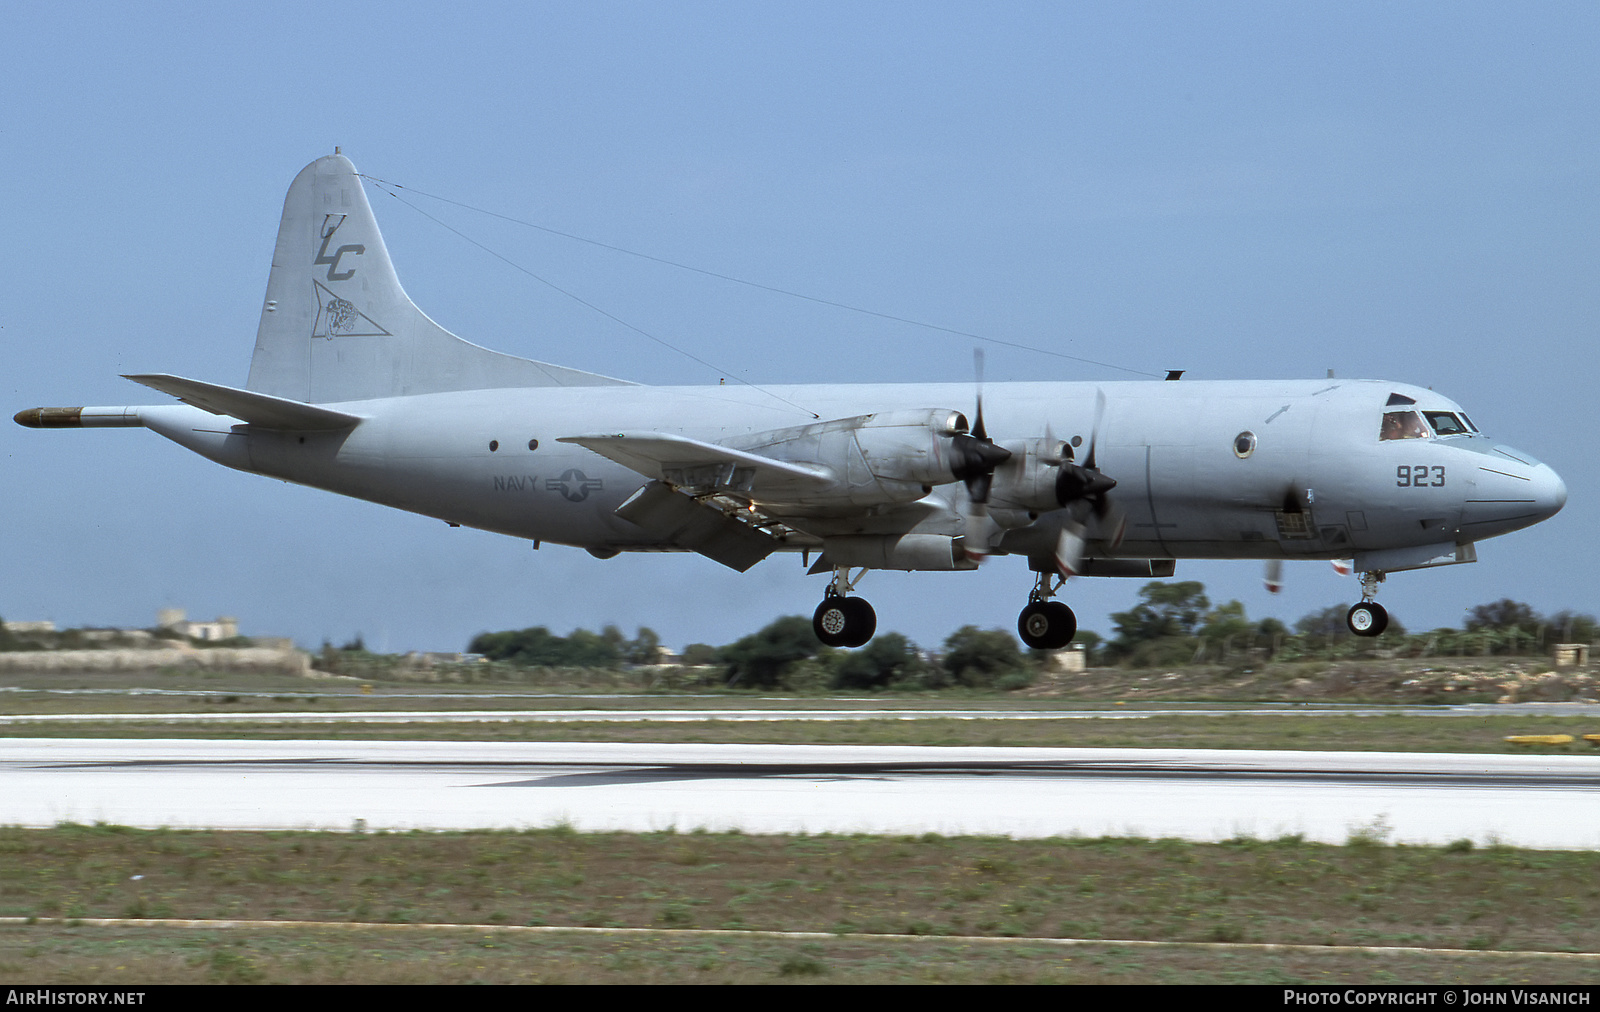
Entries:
{"x":264,"y":410}
{"x":691,"y":463}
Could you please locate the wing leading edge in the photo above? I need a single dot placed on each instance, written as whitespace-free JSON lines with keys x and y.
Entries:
{"x":693,"y":463}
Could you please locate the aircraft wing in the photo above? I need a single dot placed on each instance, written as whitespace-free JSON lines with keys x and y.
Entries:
{"x":694,"y":464}
{"x":700,"y":498}
{"x":264,"y":410}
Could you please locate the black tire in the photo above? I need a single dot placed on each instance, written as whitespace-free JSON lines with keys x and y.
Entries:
{"x":1047,"y":625}
{"x":1367,"y":618}
{"x":844,"y":621}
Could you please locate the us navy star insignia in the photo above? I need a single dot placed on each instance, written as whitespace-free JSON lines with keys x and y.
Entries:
{"x":574,"y":485}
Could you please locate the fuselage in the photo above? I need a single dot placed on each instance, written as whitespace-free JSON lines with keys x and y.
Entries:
{"x":1223,"y":470}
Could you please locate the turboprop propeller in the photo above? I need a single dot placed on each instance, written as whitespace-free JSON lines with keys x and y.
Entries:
{"x":974,"y":458}
{"x":1086,"y":483}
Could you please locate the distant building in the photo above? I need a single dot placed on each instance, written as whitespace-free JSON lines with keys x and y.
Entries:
{"x":418,"y":659}
{"x":224,"y":628}
{"x":1073,"y":658}
{"x":30,"y":627}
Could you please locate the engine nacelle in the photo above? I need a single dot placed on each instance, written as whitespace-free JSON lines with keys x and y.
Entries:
{"x":884,"y":458}
{"x":936,"y":552}
{"x":1030,"y":480}
{"x":1042,"y":475}
{"x":910,"y":446}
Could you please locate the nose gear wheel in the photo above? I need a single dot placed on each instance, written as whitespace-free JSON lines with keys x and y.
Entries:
{"x":1368,"y":617}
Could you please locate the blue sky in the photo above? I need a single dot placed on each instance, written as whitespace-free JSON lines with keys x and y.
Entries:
{"x":1240,"y":190}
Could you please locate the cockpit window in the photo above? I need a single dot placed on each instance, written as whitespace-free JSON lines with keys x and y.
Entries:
{"x":1464,"y":418}
{"x":1445,"y":424}
{"x":1403,"y":425}
{"x":1397,"y":399}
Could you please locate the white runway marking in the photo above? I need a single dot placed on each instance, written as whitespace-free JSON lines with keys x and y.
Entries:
{"x":1548,"y":802}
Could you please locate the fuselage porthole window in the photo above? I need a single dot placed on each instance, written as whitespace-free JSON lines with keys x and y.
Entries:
{"x":1244,"y":444}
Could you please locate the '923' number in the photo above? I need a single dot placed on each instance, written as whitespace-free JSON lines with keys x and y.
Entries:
{"x":1420,"y":476}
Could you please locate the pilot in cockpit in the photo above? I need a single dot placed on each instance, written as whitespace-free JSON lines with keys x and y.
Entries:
{"x":1409,"y":425}
{"x":1403,"y":425}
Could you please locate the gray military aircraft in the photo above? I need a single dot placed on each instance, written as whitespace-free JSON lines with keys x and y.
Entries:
{"x":354,"y":390}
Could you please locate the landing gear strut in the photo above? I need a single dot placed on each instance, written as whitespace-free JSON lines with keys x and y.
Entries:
{"x":1045,"y":624}
{"x":1368,"y":617}
{"x":841,"y":621}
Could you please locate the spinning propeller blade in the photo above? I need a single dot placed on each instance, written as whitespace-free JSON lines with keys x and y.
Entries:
{"x":1273,"y":576}
{"x":974,"y":458}
{"x":1085,"y":482}
{"x":1069,"y":549}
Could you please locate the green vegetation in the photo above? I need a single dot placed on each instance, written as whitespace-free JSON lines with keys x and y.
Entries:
{"x":48,"y":954}
{"x":944,"y":889}
{"x":979,"y":658}
{"x":784,"y":654}
{"x":539,"y":648}
{"x":888,"y":661}
{"x":1174,"y":624}
{"x":762,"y":659}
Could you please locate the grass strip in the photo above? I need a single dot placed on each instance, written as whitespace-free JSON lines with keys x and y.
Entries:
{"x":49,"y":954}
{"x":1267,"y":892}
{"x":1389,"y":733}
{"x":823,"y":908}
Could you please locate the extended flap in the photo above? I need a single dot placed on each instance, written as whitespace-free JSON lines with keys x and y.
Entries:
{"x":688,"y":523}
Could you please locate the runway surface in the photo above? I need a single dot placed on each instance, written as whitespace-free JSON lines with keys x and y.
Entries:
{"x":1528,"y":801}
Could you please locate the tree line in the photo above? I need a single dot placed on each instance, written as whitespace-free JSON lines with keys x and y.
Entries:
{"x":1173,"y":624}
{"x":783,"y":653}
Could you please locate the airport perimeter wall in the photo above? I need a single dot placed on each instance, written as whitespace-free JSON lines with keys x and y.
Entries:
{"x":240,"y":659}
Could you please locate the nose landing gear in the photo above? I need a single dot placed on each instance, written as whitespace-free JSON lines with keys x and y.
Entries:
{"x":1368,"y":617}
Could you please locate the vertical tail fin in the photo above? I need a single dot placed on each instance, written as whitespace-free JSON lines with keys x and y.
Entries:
{"x":337,"y":326}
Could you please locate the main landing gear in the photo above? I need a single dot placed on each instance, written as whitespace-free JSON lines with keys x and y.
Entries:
{"x":1368,"y":617}
{"x":1045,"y":624}
{"x":842,"y":621}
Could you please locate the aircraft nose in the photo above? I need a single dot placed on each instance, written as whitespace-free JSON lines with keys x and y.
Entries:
{"x":1549,"y":491}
